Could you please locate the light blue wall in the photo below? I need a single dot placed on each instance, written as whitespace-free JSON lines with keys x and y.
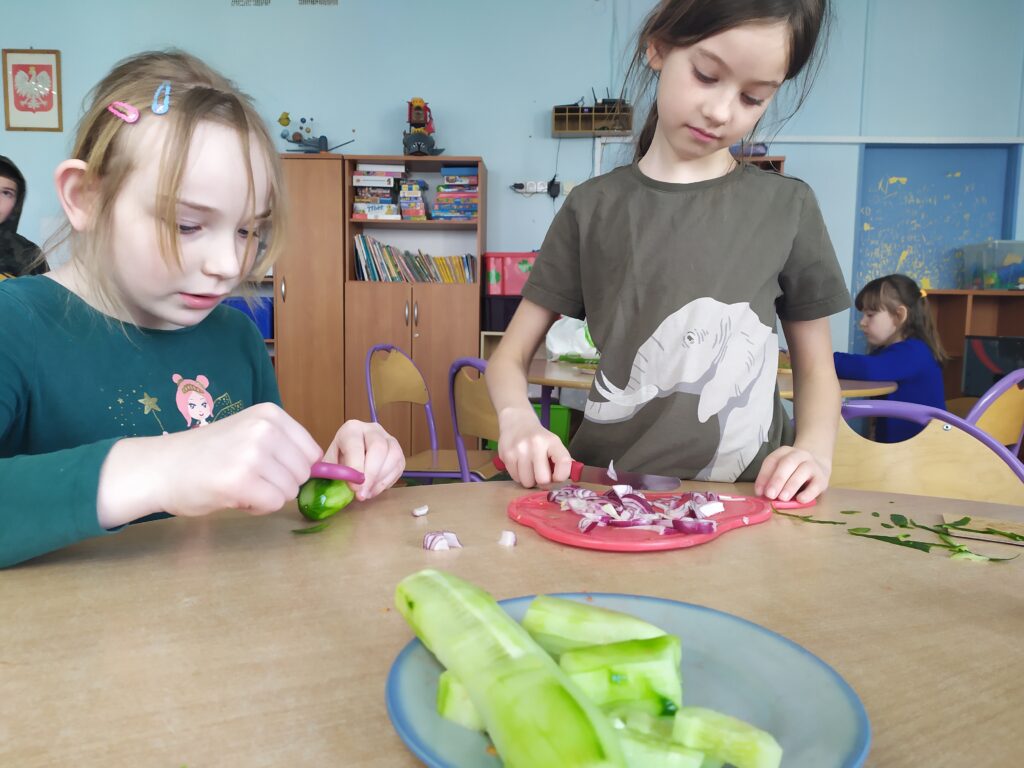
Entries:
{"x":895,"y":68}
{"x":353,"y":67}
{"x":943,"y":68}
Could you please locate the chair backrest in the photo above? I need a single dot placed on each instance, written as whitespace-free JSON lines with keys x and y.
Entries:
{"x":1000,"y":411}
{"x":949,"y":458}
{"x":392,"y":377}
{"x":472,"y":410}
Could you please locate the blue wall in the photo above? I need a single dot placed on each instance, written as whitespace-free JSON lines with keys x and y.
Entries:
{"x":891,"y":72}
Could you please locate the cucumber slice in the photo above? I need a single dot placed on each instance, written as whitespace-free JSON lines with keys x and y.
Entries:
{"x":641,"y":673}
{"x":559,"y":625}
{"x":453,"y":703}
{"x":726,"y":738}
{"x":535,"y":715}
{"x":646,"y":751}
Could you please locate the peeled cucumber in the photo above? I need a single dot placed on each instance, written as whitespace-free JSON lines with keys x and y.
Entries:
{"x":535,"y":715}
{"x":559,"y":625}
{"x":725,"y":738}
{"x":453,"y":703}
{"x":641,"y":673}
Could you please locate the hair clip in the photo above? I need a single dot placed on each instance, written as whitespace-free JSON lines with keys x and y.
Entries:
{"x":123,"y":111}
{"x":162,"y":98}
{"x":924,"y":294}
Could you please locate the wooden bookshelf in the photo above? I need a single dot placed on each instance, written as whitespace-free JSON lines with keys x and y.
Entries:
{"x":570,"y":121}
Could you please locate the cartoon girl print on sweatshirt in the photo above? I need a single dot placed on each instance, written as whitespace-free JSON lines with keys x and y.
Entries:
{"x":193,"y":399}
{"x":198,"y":406}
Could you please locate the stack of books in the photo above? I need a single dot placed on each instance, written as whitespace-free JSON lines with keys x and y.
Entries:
{"x":458,"y":195}
{"x":410,"y":200}
{"x":380,"y":262}
{"x":376,"y":191}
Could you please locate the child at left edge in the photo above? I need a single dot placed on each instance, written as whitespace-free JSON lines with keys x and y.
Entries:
{"x":126,"y":390}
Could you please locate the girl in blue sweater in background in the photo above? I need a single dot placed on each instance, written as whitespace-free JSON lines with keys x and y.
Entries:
{"x":905,"y":348}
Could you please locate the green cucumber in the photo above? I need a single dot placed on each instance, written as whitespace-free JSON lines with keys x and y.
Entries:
{"x":726,"y":738}
{"x":559,"y":625}
{"x":535,"y":715}
{"x":320,"y":498}
{"x":453,"y":703}
{"x":641,"y":673}
{"x":643,"y":750}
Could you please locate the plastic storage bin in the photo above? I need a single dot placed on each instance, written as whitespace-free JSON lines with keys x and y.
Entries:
{"x":995,"y":265}
{"x":498,"y":311}
{"x":507,"y":272}
{"x":559,"y":425}
{"x":261,"y":312}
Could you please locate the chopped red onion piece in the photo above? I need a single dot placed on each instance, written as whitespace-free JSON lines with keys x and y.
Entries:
{"x":440,"y":540}
{"x":420,"y":511}
{"x":507,"y":539}
{"x":611,"y":471}
{"x":709,"y":508}
{"x":689,"y":525}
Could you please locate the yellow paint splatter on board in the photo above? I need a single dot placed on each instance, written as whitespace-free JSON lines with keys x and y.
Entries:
{"x":867,"y":227}
{"x":903,"y":257}
{"x":953,"y":175}
{"x":897,"y":179}
{"x":925,"y":283}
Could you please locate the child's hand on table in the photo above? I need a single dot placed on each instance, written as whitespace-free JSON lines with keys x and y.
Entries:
{"x":532,"y":454}
{"x":790,"y":472}
{"x":367,"y":447}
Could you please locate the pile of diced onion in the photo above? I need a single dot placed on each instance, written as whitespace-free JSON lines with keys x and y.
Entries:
{"x":623,"y":507}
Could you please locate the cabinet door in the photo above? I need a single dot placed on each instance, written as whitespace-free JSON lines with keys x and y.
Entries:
{"x":376,"y":313}
{"x":446,"y":326}
{"x":308,"y":298}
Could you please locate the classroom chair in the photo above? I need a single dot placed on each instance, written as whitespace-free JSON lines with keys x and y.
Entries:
{"x":1000,"y":411}
{"x":392,"y":377}
{"x":473,"y":414}
{"x":949,"y":458}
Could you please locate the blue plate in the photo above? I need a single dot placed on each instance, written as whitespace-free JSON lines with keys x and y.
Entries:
{"x":729,"y":664}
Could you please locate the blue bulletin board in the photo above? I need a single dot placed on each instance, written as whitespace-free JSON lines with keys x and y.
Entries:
{"x":918,"y":205}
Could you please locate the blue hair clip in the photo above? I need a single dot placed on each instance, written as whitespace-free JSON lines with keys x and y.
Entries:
{"x":162,"y":98}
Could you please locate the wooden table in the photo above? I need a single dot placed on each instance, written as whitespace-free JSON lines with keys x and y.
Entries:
{"x":227,"y":640}
{"x":551,"y":374}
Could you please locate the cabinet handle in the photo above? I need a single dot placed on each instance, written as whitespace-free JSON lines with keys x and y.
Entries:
{"x":416,"y":313}
{"x":407,"y":313}
{"x":282,"y":289}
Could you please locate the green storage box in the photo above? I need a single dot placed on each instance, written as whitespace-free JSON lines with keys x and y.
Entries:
{"x":559,"y":424}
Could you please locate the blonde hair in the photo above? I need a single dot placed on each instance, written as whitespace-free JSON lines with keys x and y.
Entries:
{"x":198,"y":93}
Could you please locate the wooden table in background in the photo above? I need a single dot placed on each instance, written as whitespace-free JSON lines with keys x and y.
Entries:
{"x":227,"y":640}
{"x":550,"y":375}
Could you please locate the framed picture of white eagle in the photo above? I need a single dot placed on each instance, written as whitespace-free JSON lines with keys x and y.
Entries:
{"x":32,"y":93}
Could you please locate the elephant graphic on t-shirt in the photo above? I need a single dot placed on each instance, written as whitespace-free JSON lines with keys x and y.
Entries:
{"x":721,"y":352}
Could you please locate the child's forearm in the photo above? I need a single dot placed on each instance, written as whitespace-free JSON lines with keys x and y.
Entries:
{"x":507,"y":385}
{"x":129,"y":480}
{"x":816,"y":406}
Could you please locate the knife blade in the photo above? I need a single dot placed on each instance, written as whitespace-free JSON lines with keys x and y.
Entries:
{"x":580,"y":472}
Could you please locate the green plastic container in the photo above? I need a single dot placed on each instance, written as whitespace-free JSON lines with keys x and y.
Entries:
{"x":559,"y":425}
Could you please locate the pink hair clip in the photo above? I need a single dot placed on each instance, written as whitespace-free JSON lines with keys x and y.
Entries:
{"x":124,"y":111}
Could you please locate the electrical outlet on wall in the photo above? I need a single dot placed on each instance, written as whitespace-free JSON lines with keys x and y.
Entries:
{"x":542,"y":186}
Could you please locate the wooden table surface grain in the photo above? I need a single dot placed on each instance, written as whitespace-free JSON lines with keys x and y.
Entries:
{"x":227,"y":640}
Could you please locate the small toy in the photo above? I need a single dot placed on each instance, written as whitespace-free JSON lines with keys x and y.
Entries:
{"x":418,"y":139}
{"x":304,"y":136}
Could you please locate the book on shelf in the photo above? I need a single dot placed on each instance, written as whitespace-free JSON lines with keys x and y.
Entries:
{"x":376,"y":261}
{"x":462,"y":181}
{"x":396,"y":168}
{"x":459,"y":170}
{"x":364,"y":180}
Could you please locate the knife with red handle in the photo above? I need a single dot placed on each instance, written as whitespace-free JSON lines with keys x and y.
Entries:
{"x":580,"y":472}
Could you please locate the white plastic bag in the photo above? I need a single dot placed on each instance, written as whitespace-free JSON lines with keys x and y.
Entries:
{"x":568,"y":339}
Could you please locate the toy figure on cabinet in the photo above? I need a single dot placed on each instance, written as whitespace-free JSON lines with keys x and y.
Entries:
{"x":303,"y":136}
{"x":418,"y":140}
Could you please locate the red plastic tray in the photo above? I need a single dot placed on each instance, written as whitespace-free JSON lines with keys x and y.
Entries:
{"x":552,"y":522}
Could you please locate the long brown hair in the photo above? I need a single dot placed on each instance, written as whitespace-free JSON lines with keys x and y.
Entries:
{"x":198,"y":93}
{"x":680,"y":23}
{"x":891,"y":292}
